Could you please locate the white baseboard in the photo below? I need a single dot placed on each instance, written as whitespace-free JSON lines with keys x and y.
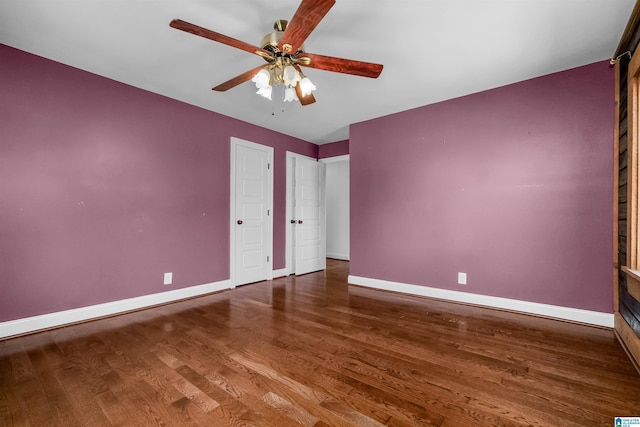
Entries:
{"x":344,"y":257}
{"x":52,"y":320}
{"x":558,"y":312}
{"x":279,"y":273}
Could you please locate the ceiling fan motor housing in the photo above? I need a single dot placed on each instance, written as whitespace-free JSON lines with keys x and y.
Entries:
{"x":271,"y":40}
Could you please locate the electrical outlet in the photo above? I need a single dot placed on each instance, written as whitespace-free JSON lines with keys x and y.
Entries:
{"x":168,"y":278}
{"x":462,"y":278}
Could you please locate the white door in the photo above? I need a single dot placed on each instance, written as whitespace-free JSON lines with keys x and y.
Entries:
{"x":310,"y":248}
{"x":290,"y":230}
{"x":251,"y":207}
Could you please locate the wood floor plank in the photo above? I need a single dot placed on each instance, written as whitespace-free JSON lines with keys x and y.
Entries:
{"x":60,"y":405}
{"x":305,"y":398}
{"x":335,"y":351}
{"x":315,"y":351}
{"x":295,"y":361}
{"x":214,"y":372}
{"x":117,"y":413}
{"x":12,"y":409}
{"x":295,"y":413}
{"x":137,"y":386}
{"x":29,"y":403}
{"x":82,"y":395}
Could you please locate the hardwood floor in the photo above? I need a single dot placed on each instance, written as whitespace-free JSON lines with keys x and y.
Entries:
{"x":313,"y":351}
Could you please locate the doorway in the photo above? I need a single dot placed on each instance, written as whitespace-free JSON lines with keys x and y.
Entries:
{"x":337,"y":207}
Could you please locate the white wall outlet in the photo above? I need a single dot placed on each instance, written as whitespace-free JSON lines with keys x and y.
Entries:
{"x":168,"y":278}
{"x":462,"y":278}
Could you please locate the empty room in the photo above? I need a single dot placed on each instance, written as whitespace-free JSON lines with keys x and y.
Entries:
{"x":319,"y":213}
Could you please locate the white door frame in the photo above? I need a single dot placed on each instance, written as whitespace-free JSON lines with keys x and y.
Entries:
{"x":289,"y":236}
{"x":232,"y":214}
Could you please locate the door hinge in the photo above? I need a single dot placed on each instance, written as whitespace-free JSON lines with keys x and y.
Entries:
{"x":268,"y":212}
{"x":267,"y":258}
{"x":268,"y":165}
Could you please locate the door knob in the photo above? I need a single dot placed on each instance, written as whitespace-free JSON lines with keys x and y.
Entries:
{"x":293,"y":221}
{"x":239,"y":222}
{"x":299,"y":221}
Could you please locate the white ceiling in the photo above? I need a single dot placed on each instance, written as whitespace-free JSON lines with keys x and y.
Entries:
{"x":432,"y":50}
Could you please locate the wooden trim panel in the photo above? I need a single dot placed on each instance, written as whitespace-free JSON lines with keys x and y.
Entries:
{"x":616,"y":172}
{"x":633,"y":282}
{"x":627,"y":207}
{"x":630,"y":37}
{"x":632,"y":161}
{"x":629,"y":340}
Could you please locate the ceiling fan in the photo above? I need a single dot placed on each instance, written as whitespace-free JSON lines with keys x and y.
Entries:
{"x":284,"y":52}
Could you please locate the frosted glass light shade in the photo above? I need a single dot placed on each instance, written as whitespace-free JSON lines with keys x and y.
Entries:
{"x":261,"y":79}
{"x":306,"y":86}
{"x":290,"y":76}
{"x":265,"y":91}
{"x":289,"y":94}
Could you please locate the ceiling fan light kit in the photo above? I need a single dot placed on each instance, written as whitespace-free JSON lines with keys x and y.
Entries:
{"x":283,"y":49}
{"x":280,"y":71}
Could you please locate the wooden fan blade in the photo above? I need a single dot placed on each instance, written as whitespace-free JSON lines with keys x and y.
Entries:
{"x":237,"y":80}
{"x":306,"y":18}
{"x":340,"y":65}
{"x":220,"y":38}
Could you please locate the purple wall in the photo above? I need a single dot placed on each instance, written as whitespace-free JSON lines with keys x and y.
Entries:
{"x":104,"y":187}
{"x":334,"y":149}
{"x":512,"y":186}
